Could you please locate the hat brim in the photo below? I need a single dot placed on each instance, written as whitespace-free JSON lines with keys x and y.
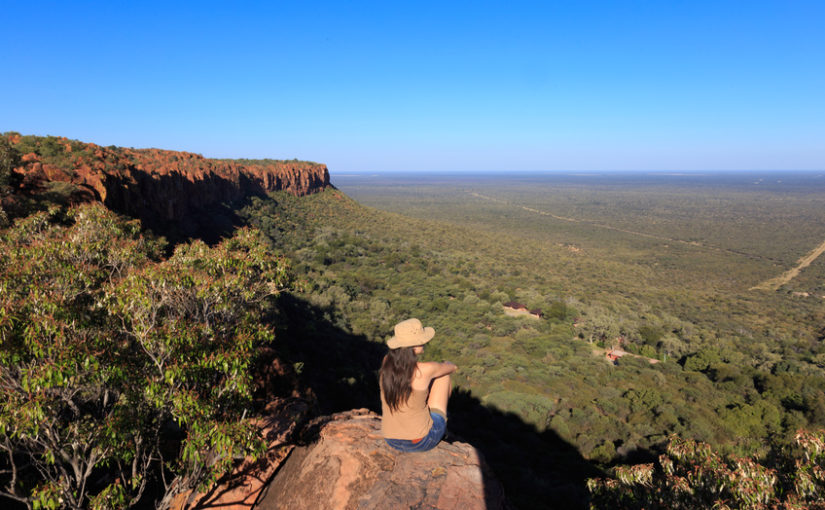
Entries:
{"x":411,"y":341}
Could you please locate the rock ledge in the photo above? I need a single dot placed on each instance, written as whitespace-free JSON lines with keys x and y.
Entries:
{"x":349,"y":466}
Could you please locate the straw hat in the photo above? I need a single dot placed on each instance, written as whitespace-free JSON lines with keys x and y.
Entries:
{"x":410,"y":333}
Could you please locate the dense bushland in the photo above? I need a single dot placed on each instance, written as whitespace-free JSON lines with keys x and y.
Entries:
{"x":726,"y":382}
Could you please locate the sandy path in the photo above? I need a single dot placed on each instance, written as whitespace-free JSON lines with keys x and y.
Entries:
{"x":775,"y":283}
{"x":519,"y":313}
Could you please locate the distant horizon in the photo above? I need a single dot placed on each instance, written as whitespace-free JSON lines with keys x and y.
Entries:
{"x":687,"y":172}
{"x":806,"y":181}
{"x":376,"y":86}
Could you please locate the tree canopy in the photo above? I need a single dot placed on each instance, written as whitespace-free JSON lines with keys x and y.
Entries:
{"x":118,"y":366}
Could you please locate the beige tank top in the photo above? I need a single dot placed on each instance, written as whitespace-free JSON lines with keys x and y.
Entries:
{"x":411,"y":421}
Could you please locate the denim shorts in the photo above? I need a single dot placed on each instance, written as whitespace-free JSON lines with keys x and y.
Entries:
{"x":429,"y":441}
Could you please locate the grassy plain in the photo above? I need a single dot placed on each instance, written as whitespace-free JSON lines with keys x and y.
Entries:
{"x":707,"y":237}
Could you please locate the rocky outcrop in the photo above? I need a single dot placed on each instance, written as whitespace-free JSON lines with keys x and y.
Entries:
{"x":350,"y":467}
{"x":160,"y":187}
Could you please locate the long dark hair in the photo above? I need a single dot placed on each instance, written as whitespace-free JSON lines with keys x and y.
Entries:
{"x":397,"y":371}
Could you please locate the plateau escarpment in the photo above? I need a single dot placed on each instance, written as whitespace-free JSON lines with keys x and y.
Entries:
{"x":175,"y":193}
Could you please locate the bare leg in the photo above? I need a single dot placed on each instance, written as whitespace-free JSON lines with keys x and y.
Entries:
{"x":440,"y":390}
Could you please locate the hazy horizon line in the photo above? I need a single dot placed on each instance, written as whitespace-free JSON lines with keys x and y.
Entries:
{"x":361,"y":173}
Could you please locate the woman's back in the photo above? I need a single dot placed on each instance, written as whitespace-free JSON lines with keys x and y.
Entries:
{"x":412,"y":418}
{"x":413,"y":394}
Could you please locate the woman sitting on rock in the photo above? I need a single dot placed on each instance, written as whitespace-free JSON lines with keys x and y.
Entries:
{"x":413,"y":394}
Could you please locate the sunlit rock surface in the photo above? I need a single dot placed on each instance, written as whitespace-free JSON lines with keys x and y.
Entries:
{"x":348,"y":466}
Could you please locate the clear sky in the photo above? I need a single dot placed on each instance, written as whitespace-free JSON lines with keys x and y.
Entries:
{"x":429,"y":86}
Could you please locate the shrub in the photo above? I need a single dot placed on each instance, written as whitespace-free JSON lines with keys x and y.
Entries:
{"x":691,"y":475}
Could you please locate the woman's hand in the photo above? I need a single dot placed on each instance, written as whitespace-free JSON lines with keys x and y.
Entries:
{"x":451,"y":364}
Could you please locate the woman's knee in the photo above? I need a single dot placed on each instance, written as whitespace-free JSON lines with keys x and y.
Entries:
{"x":440,"y":392}
{"x":443,"y":383}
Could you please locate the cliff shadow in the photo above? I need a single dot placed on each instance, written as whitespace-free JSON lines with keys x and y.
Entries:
{"x":338,"y":368}
{"x":180,"y":209}
{"x":538,"y":469}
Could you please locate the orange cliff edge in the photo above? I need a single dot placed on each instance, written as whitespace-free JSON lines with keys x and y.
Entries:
{"x":162,"y":185}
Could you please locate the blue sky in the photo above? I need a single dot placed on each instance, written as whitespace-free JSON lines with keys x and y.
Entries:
{"x":421,"y":86}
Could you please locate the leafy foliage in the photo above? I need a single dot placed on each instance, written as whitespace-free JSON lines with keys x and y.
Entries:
{"x":691,"y":475}
{"x":116,"y":365}
{"x":9,"y":159}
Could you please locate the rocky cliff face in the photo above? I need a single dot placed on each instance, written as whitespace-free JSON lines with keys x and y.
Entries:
{"x":162,"y":188}
{"x":349,"y":466}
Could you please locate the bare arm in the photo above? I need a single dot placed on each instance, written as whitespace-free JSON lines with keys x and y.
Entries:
{"x":433,"y":369}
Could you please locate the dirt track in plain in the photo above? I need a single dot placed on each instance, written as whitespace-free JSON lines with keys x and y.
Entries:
{"x":775,"y":283}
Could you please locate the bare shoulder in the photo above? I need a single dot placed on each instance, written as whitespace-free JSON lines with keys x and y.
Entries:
{"x":426,"y":369}
{"x":423,"y":375}
{"x":432,"y":369}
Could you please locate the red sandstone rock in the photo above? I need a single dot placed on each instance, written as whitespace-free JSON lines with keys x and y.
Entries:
{"x":162,"y":186}
{"x":351,"y":467}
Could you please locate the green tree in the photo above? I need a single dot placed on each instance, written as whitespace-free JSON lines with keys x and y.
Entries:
{"x":702,"y":361}
{"x":109,"y":357}
{"x":600,"y":325}
{"x":9,"y":159}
